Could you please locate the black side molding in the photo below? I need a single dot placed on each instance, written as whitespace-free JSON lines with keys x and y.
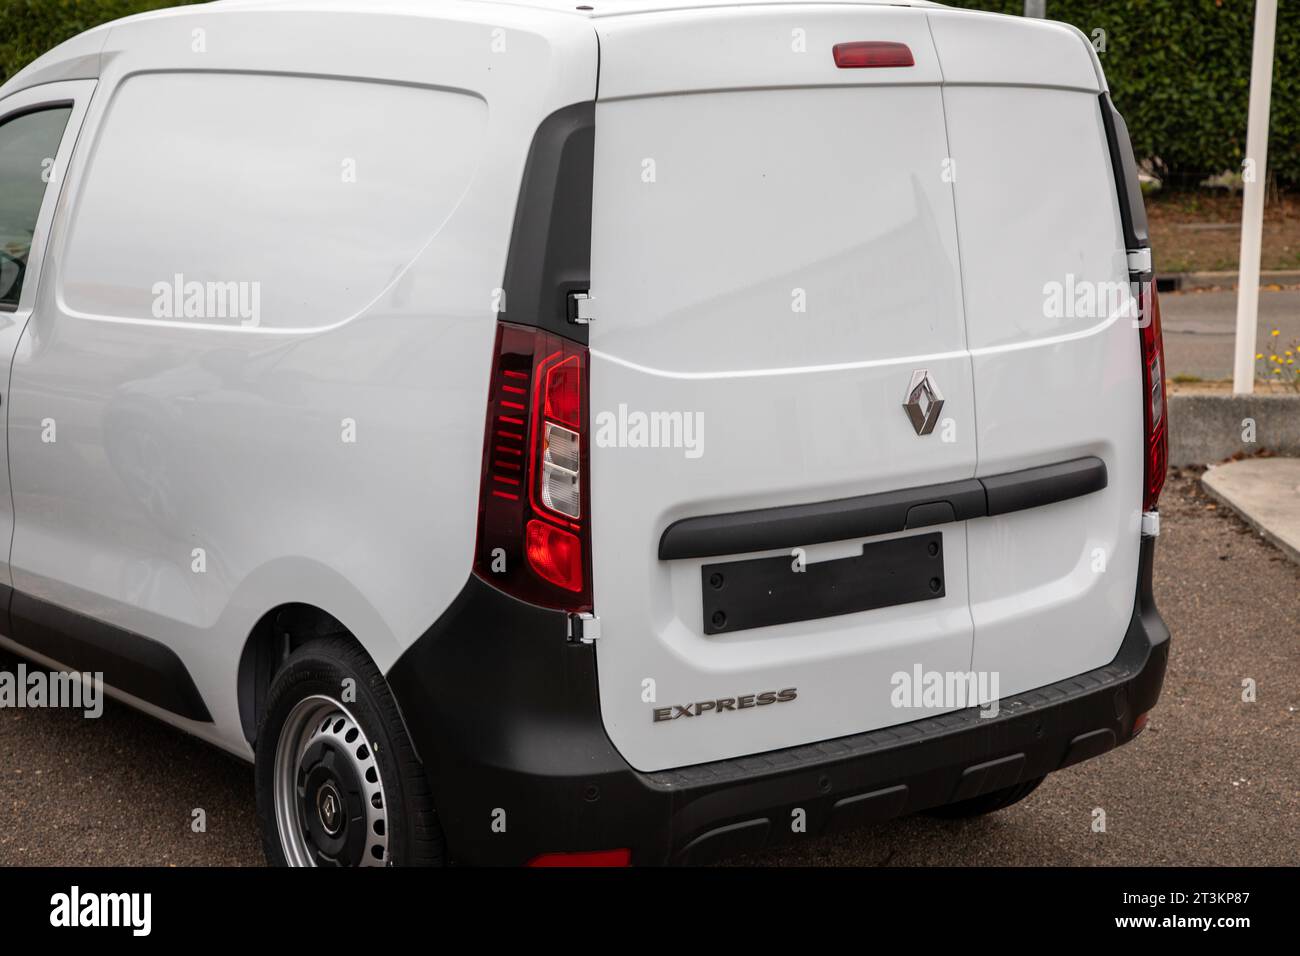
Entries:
{"x":1045,"y":485}
{"x":550,"y":244}
{"x":131,"y":663}
{"x":768,"y":529}
{"x":1132,"y":210}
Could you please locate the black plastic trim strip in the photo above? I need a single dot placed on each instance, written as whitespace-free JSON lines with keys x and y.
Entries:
{"x":1128,"y":187}
{"x":550,"y":244}
{"x":130,"y":662}
{"x":767,"y":529}
{"x":6,"y":598}
{"x":1046,"y":485}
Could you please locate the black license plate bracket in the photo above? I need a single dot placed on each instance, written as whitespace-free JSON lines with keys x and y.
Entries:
{"x":761,"y":592}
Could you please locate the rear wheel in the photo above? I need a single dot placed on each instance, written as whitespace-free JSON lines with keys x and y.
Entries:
{"x":989,"y":802}
{"x":338,"y":782}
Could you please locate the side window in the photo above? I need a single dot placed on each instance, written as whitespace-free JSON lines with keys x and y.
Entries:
{"x":28,"y":144}
{"x":272,"y":202}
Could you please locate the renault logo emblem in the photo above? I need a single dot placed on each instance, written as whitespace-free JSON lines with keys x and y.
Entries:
{"x":924,"y":402}
{"x":328,"y":807}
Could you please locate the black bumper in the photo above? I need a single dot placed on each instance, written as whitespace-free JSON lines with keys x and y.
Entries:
{"x":505,"y":715}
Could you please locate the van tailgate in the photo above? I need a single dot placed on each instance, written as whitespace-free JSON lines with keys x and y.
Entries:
{"x":1056,"y":355}
{"x":774,"y":260}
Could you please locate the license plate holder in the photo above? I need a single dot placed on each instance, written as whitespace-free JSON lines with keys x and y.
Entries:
{"x":761,"y":592}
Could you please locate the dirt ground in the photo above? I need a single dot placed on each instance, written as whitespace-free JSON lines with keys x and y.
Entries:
{"x":1201,"y":232}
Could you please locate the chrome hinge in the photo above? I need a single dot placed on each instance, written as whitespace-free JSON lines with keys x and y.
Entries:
{"x":584,"y":628}
{"x":581,"y":309}
{"x":1151,"y":524}
{"x":1139,"y":261}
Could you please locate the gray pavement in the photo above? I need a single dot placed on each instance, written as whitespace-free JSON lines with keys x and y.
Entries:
{"x":1213,"y":780}
{"x":1200,"y":328}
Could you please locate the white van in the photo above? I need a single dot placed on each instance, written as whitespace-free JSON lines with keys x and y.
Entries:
{"x":560,"y":433}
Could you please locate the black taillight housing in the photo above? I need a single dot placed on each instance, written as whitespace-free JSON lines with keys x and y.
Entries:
{"x":534,"y":533}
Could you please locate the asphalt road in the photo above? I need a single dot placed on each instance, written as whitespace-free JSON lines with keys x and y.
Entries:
{"x":1200,"y":328}
{"x":1213,"y":780}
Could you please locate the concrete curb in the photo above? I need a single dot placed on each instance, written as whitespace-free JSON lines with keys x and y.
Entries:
{"x":1207,"y":428}
{"x":1187,"y":281}
{"x":1262,"y":491}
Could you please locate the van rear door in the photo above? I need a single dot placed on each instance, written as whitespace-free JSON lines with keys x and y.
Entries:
{"x":775,"y":271}
{"x":1051,"y":328}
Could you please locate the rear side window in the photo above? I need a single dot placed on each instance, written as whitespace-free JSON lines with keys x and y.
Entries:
{"x":29,"y":143}
{"x":260,"y":202}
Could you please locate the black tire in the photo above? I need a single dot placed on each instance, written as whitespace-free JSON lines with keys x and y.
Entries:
{"x":989,"y":802}
{"x":408,"y":823}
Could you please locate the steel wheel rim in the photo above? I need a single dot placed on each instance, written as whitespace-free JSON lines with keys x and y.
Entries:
{"x":324,"y":761}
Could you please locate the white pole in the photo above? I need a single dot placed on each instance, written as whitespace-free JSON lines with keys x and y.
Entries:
{"x":1036,"y":8}
{"x":1252,"y":213}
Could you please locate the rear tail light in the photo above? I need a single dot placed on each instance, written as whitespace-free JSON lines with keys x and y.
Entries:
{"x":867,"y":54}
{"x":1155,"y":404}
{"x":534,"y":535}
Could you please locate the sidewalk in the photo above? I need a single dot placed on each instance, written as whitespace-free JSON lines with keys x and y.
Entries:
{"x":1193,"y":281}
{"x":1266,"y":493}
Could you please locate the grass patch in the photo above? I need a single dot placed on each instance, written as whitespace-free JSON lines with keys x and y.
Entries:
{"x":1201,"y":231}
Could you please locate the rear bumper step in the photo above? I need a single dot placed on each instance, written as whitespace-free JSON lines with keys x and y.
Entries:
{"x":506,"y":718}
{"x":769,"y":529}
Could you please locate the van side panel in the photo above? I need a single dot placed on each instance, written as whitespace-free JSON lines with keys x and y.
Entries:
{"x":211,"y":464}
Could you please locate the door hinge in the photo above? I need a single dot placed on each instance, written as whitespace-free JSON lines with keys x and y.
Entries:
{"x":1151,"y":524}
{"x":584,"y":628}
{"x":1139,"y":261}
{"x":581,"y":308}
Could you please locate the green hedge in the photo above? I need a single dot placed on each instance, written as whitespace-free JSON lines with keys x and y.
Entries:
{"x":1179,"y":71}
{"x":30,"y":27}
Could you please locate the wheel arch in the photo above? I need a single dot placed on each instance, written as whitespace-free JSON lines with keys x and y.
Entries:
{"x":274,"y":637}
{"x":307,"y":599}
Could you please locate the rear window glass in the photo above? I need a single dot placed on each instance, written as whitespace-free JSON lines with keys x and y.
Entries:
{"x":29,"y":143}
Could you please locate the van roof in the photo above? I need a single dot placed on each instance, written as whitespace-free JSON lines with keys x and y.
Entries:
{"x":613,"y":8}
{"x":586,"y":8}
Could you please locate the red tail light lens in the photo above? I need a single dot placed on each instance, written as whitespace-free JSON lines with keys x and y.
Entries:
{"x":1155,"y":410}
{"x":591,"y":858}
{"x":564,"y":391}
{"x":555,"y":554}
{"x":872,"y":53}
{"x":534,"y":538}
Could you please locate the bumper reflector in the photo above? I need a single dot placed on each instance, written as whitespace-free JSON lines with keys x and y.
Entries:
{"x":589,"y":858}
